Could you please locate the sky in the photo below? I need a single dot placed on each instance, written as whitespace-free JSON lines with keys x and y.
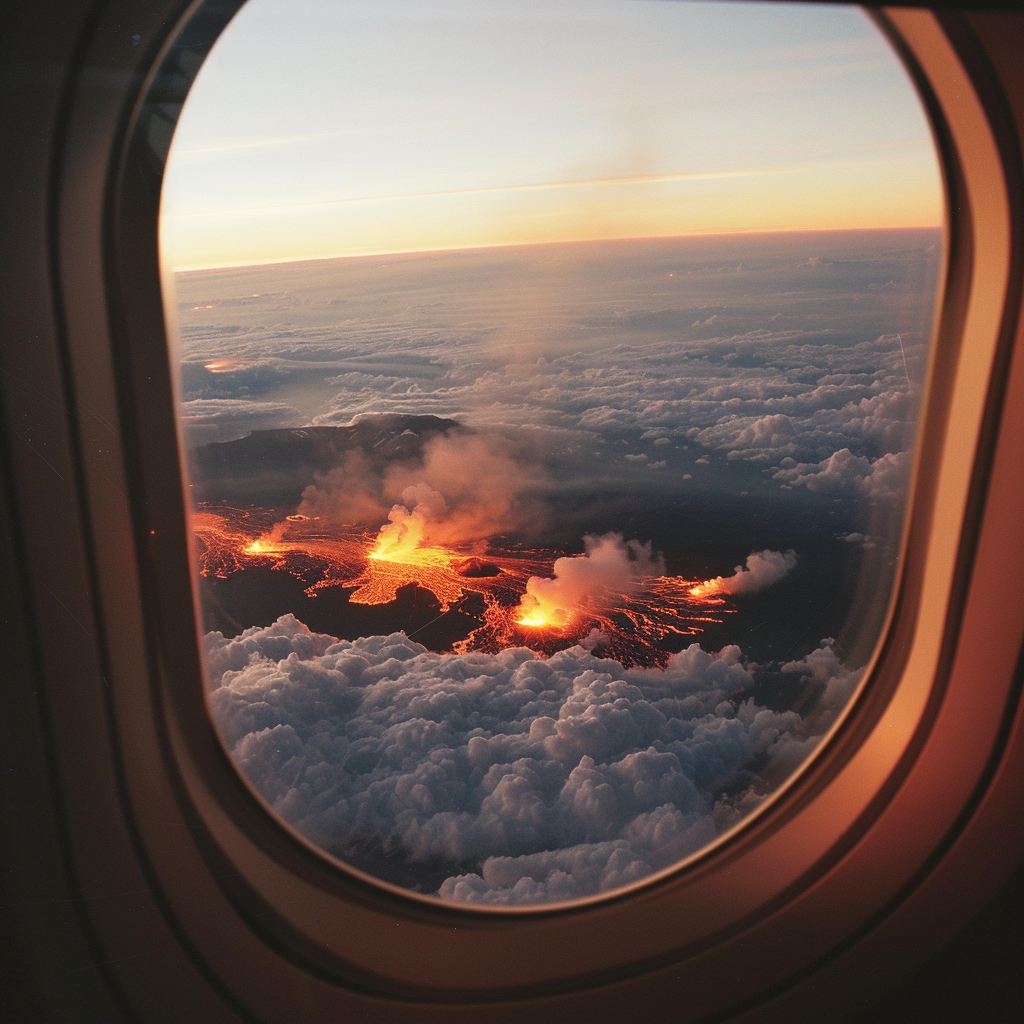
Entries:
{"x":320,"y":129}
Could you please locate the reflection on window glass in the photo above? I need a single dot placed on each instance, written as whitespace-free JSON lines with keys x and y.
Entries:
{"x":549,"y":383}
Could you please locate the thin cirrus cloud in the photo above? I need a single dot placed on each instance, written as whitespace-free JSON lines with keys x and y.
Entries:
{"x":636,"y":179}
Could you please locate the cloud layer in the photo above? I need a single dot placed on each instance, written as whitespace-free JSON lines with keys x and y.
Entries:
{"x":645,"y":361}
{"x":527,"y":779}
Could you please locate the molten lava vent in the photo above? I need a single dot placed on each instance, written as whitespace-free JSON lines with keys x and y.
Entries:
{"x":614,"y":596}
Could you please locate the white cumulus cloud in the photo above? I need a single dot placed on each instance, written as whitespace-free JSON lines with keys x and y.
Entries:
{"x":535,"y":779}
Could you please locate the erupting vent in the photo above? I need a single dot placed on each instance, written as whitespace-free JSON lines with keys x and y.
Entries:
{"x":613,"y":597}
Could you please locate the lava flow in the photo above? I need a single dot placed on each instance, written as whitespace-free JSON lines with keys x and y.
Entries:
{"x":521,"y":597}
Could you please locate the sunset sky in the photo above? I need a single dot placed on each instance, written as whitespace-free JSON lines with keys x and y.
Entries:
{"x":320,"y":128}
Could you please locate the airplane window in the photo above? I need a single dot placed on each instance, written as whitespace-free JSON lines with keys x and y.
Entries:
{"x":549,"y":378}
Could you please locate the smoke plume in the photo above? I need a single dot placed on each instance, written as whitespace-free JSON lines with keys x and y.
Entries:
{"x":763,"y":568}
{"x":609,"y":570}
{"x":350,"y":494}
{"x":466,"y":488}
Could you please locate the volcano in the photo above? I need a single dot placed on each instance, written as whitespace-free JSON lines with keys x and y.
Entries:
{"x":488,"y":598}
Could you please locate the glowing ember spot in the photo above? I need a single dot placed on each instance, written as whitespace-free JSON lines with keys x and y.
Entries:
{"x":402,"y":539}
{"x":405,"y":555}
{"x":536,"y":621}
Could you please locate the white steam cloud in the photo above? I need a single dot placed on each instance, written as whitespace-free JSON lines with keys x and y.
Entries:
{"x":763,"y":568}
{"x":609,"y":570}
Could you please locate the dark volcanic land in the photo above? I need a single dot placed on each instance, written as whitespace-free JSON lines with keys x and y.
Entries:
{"x":700,"y":537}
{"x":272,"y":468}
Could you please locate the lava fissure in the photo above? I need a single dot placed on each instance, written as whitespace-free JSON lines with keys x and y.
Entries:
{"x":615,"y":599}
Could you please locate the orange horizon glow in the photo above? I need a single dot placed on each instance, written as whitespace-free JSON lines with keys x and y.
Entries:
{"x":898,"y":187}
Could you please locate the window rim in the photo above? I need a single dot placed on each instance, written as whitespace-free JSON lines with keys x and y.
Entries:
{"x":229,"y":835}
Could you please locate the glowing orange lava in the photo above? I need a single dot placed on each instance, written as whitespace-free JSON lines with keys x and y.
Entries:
{"x":262,"y":546}
{"x":705,"y":589}
{"x":374,"y":566}
{"x":543,"y":619}
{"x":540,"y":612}
{"x":406,"y":551}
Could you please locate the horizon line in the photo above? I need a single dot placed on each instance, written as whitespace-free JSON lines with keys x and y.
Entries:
{"x":196,"y":268}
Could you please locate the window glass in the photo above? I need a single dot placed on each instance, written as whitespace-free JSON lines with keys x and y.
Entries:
{"x":549,"y":378}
